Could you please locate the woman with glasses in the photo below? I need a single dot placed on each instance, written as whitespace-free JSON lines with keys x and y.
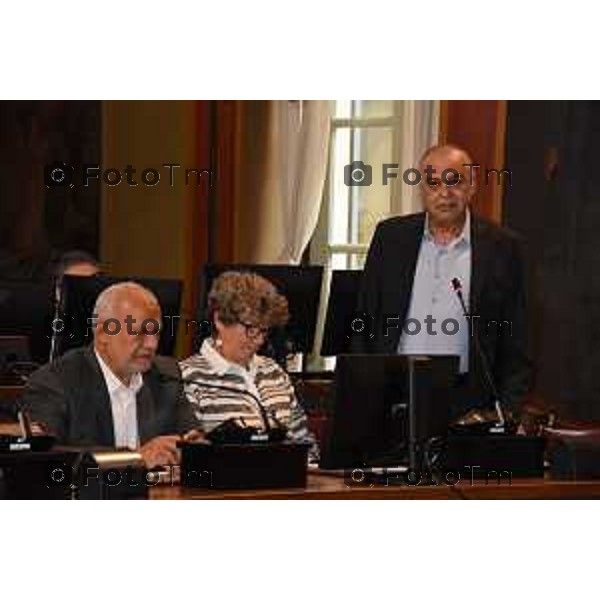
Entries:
{"x":227,"y":379}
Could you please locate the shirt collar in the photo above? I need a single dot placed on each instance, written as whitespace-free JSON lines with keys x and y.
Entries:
{"x":220,"y":364}
{"x":464,"y":236}
{"x":113,"y":383}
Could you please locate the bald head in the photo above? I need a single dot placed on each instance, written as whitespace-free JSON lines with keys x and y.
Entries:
{"x":127,"y":328}
{"x":116,"y":297}
{"x":445,"y":152}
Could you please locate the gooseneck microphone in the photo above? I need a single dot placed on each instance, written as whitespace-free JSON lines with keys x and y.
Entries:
{"x":279,"y":430}
{"x":487,"y":372}
{"x":214,"y":386}
{"x":277,"y":433}
{"x":58,"y":309}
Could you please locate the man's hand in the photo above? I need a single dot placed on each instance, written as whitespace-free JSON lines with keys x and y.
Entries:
{"x":161,"y":450}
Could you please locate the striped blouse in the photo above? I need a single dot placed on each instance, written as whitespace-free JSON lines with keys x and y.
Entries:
{"x":263,"y":381}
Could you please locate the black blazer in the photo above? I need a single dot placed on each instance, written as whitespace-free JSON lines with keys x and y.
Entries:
{"x":71,"y":398}
{"x":497,"y":292}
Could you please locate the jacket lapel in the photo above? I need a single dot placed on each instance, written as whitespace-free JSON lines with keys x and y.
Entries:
{"x":99,"y":401}
{"x":399,"y":276}
{"x":145,"y":410}
{"x":480,"y":257}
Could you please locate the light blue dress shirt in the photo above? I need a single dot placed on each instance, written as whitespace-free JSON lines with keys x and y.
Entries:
{"x":433,"y":297}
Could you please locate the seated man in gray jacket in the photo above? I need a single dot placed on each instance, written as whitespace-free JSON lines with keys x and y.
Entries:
{"x":116,"y":392}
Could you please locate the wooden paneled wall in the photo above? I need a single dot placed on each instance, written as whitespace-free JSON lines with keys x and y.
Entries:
{"x":479,"y":126}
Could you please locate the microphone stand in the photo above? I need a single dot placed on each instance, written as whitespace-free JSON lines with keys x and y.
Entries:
{"x":501,"y":427}
{"x":263,"y":413}
{"x":58,"y":305}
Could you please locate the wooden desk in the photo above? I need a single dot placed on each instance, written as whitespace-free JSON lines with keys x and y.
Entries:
{"x":329,"y":487}
{"x":11,"y":392}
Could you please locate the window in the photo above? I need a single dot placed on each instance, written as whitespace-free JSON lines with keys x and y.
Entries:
{"x":371,"y":133}
{"x":362,"y":132}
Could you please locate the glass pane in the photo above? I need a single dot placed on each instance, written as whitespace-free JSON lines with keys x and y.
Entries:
{"x":339,"y":194}
{"x":358,"y":197}
{"x":348,"y":260}
{"x":343,"y":109}
{"x":371,"y":201}
{"x":374,"y":109}
{"x":357,"y":261}
{"x":339,"y":261}
{"x":364,"y":109}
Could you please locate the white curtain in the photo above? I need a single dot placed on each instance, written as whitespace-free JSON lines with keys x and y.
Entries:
{"x":419,"y":131}
{"x":297,"y":165}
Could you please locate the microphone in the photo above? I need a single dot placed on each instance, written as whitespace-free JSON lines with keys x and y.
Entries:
{"x":277,"y":433}
{"x":58,"y":308}
{"x":214,"y":386}
{"x":487,"y":372}
{"x":272,"y":434}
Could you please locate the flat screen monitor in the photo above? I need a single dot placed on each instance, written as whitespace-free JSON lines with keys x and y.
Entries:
{"x":381,"y":403}
{"x":79,"y":297}
{"x":26,"y":310}
{"x":343,"y":296}
{"x":301,"y":285}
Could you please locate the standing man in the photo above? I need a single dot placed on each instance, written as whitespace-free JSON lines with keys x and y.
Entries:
{"x":408,"y":296}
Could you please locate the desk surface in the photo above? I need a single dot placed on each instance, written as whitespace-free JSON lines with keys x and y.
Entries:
{"x":329,"y":487}
{"x":9,"y":393}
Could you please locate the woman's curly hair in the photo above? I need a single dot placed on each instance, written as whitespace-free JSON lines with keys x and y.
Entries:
{"x":247,"y":297}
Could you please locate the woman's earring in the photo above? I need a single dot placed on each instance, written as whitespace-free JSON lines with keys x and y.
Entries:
{"x":218,"y":342}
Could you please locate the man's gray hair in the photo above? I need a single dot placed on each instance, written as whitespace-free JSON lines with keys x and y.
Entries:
{"x":109,"y":298}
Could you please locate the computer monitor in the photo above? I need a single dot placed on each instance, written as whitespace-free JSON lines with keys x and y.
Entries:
{"x":386,"y":407}
{"x":341,"y":306}
{"x":79,"y":297}
{"x":26,"y":310}
{"x":301,"y":285}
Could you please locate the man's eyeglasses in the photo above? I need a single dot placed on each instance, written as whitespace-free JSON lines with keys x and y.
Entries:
{"x":253,"y":331}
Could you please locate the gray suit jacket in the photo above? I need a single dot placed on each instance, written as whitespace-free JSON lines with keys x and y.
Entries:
{"x":71,"y":398}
